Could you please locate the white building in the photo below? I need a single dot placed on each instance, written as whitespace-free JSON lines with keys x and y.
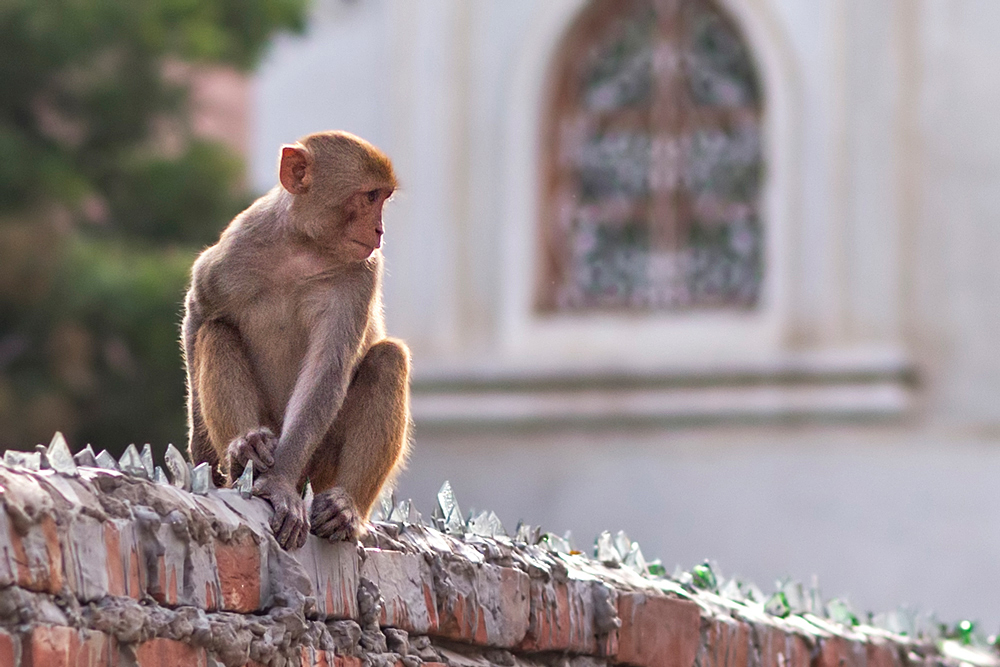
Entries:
{"x":830,"y":406}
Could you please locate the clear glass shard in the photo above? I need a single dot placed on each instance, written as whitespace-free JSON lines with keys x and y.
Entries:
{"x":522,"y":534}
{"x":496,"y":526}
{"x":106,"y":461}
{"x":159,"y":476}
{"x":622,"y":543}
{"x":814,"y":598}
{"x":413,"y":517}
{"x":177,"y":466}
{"x":479,"y":525}
{"x":401,"y":513}
{"x":59,"y":456}
{"x":383,"y":505}
{"x":244,"y":484}
{"x":555,"y":544}
{"x":85,"y":457}
{"x":131,"y":463}
{"x":732,"y":591}
{"x":28,"y":460}
{"x":308,"y":494}
{"x":568,"y":538}
{"x":201,"y":479}
{"x":43,"y":459}
{"x":146,"y":457}
{"x":839,"y":611}
{"x":777,"y":605}
{"x":752,"y":592}
{"x":635,"y":560}
{"x":450,"y":514}
{"x":605,"y":550}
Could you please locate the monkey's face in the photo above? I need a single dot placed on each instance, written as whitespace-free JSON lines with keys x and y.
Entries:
{"x":363,"y":229}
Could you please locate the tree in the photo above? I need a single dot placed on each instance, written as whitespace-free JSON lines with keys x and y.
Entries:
{"x":98,"y":222}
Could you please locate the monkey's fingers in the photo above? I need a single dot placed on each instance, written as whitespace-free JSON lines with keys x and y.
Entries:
{"x":291,"y":532}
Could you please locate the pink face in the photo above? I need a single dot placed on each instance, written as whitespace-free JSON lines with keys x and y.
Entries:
{"x":363,"y":231}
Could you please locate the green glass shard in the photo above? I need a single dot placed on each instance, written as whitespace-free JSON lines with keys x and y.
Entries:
{"x":777,"y":605}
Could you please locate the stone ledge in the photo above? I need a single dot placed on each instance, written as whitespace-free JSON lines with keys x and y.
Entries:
{"x":103,"y":568}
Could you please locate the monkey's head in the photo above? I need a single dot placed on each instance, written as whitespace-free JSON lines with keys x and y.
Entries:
{"x":339,"y":184}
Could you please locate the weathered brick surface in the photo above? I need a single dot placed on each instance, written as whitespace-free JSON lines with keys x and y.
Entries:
{"x":169,"y":653}
{"x":407,"y":586}
{"x":178,"y":579}
{"x":658,"y":631}
{"x":56,"y":646}
{"x":238,"y":562}
{"x":483,"y":604}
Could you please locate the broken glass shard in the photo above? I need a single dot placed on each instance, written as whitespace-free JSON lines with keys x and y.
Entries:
{"x":245,"y":482}
{"x":413,"y":517}
{"x":479,"y":524}
{"x":703,"y":577}
{"x":28,"y":460}
{"x":106,"y":461}
{"x":752,"y":592}
{"x":568,"y":537}
{"x":308,"y":494}
{"x":656,"y":568}
{"x":59,"y":456}
{"x":622,"y":543}
{"x":523,"y":532}
{"x":43,"y":460}
{"x":815,"y":598}
{"x":201,"y":479}
{"x":777,"y":605}
{"x":964,"y":632}
{"x":450,"y":514}
{"x":635,"y":560}
{"x":85,"y":457}
{"x":732,"y":591}
{"x":177,"y":466}
{"x":383,"y":505}
{"x":794,"y":595}
{"x":131,"y":463}
{"x":146,"y":457}
{"x":605,"y":551}
{"x":496,"y":526}
{"x":159,"y":476}
{"x":555,"y":544}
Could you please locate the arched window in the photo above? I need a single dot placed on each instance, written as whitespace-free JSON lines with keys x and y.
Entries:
{"x":652,"y":163}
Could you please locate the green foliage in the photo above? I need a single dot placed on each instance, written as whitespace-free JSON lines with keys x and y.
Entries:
{"x":98,"y":223}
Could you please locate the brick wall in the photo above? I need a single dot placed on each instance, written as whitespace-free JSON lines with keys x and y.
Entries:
{"x":101,"y":568}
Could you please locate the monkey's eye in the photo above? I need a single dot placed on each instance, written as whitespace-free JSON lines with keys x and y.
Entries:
{"x":372,"y":196}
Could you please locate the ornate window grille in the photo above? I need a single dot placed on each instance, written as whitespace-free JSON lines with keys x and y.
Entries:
{"x":653,"y":163}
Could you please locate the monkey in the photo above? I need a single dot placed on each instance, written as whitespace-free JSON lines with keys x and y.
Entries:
{"x":288,"y":363}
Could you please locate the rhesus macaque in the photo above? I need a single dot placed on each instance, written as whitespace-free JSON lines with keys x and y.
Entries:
{"x":287,"y":358}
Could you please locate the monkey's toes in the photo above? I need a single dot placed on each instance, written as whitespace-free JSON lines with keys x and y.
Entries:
{"x":258,"y":446}
{"x":334,"y":516}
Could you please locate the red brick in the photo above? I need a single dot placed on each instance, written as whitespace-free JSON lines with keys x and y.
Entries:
{"x":407,"y":586}
{"x":239,"y":572}
{"x":10,"y":649}
{"x":169,"y":653}
{"x":782,"y":649}
{"x":727,"y":644}
{"x":840,"y":652}
{"x":38,"y":556}
{"x":332,"y":568}
{"x":562,"y":618}
{"x":351,"y":661}
{"x":658,"y":631}
{"x":124,"y":577}
{"x":57,"y":646}
{"x":883,"y":654}
{"x":486,"y":605}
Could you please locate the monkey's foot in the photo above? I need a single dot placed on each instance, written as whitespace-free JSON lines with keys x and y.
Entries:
{"x":257,"y":445}
{"x":335,"y":516}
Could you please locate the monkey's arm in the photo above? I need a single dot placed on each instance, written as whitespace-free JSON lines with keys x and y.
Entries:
{"x":333,"y":352}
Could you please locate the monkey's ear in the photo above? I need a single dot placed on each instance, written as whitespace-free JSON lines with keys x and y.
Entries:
{"x":295,"y":170}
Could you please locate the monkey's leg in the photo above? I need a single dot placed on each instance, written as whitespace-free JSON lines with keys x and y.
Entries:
{"x":230,"y":402}
{"x":366,"y":445}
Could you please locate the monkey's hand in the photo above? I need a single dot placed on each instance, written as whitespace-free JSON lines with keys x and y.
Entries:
{"x":335,"y":516}
{"x":257,"y":445}
{"x":289,"y":523}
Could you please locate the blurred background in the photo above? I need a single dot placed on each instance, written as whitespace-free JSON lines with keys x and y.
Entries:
{"x":722,"y":274}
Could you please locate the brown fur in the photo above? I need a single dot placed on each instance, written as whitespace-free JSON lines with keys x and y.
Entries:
{"x":284,"y":341}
